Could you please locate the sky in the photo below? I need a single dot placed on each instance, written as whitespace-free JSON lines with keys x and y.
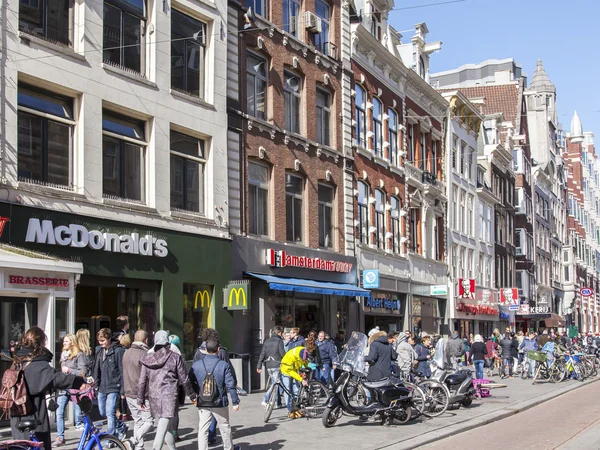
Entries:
{"x":565,"y":35}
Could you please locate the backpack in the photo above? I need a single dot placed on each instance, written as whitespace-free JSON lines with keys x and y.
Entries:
{"x":14,"y":401}
{"x":209,"y":391}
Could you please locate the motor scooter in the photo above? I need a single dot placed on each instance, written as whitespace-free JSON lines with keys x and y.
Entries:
{"x":389,"y":399}
{"x":458,"y":382}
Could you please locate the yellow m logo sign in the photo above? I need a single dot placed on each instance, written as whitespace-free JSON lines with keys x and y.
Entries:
{"x":204,"y":296}
{"x":238,"y":292}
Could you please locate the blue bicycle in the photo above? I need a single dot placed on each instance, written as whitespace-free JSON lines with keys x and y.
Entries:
{"x":92,"y":438}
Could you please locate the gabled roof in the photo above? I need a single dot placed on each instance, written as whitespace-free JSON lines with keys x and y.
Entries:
{"x":502,"y":98}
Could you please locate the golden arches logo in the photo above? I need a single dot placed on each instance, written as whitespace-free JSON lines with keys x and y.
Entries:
{"x":204,"y":295}
{"x":239,"y":292}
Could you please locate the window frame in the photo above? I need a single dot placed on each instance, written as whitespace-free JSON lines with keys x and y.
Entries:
{"x":257,"y":77}
{"x":258,"y":187}
{"x":434,"y":165}
{"x":322,"y":40}
{"x":454,"y":151}
{"x":143,"y":18}
{"x":411,"y":142}
{"x":423,"y":144}
{"x":46,"y":116}
{"x":360,"y":116}
{"x":325,"y":117}
{"x":202,"y":52}
{"x":380,"y":208}
{"x":396,"y":227}
{"x":377,"y":127}
{"x":123,"y":140}
{"x":326,"y":207}
{"x":68,"y":39}
{"x":295,"y":98}
{"x":263,"y":7}
{"x":393,"y":136}
{"x":202,"y":161}
{"x":290,"y":221}
{"x":287,"y":17}
{"x":363,"y":213}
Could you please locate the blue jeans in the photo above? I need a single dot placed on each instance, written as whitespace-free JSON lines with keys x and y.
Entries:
{"x":62,"y":402}
{"x":212,"y":430}
{"x":292,"y":386}
{"x":479,"y":369}
{"x":274,"y":375}
{"x":107,"y":405}
{"x":324,"y":373}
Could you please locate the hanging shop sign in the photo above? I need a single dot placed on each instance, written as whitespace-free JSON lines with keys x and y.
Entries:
{"x":438,"y":289}
{"x":370,"y":279}
{"x":539,"y":310}
{"x":509,"y":296}
{"x":466,"y":288}
{"x":78,"y":236}
{"x":485,"y":297}
{"x":586,"y":292}
{"x":38,"y":281}
{"x":236,"y":296}
{"x":281,"y":258}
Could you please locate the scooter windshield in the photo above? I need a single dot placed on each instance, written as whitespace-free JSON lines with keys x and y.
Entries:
{"x":351,"y":358}
{"x":439,"y":357}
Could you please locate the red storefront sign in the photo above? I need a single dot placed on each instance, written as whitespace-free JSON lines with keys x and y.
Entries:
{"x":466,"y":288}
{"x":477,"y":309}
{"x":280,"y":258}
{"x":509,"y":296}
{"x":38,"y":281}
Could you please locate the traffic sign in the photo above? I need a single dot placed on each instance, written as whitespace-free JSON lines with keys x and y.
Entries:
{"x":586,"y":292}
{"x":513,"y":308}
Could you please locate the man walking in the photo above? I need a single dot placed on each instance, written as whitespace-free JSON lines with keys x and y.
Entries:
{"x":454,"y":350}
{"x":132,"y":368}
{"x":270,"y":355}
{"x":108,"y":376}
{"x":328,"y":353}
{"x":204,"y":375}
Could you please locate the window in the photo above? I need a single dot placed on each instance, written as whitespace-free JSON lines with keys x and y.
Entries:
{"x":396,"y":230}
{"x":45,"y":140}
{"x":456,"y":210}
{"x":454,"y":150}
{"x":414,"y":225}
{"x":47,"y":19}
{"x":291,"y":10}
{"x":433,"y":165}
{"x":258,"y":6}
{"x":360,"y":116}
{"x":124,"y":29}
{"x":325,"y":216}
{"x":294,"y":187}
{"x":411,"y":143}
{"x":258,"y":199}
{"x":469,"y":173}
{"x":323,"y":117}
{"x":363,"y":212}
{"x":292,"y":94}
{"x":380,"y":219}
{"x":187,"y":172}
{"x":323,"y":10}
{"x":123,"y":157}
{"x":423,"y":154}
{"x":393,"y":136}
{"x":463,"y":156}
{"x":188,"y":52}
{"x":256,"y":85}
{"x":377,"y":127}
{"x":461,"y":216}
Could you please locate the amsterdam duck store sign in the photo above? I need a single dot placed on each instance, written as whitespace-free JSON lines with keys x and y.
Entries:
{"x":73,"y":235}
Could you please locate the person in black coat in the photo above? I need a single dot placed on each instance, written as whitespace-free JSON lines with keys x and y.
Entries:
{"x":270,"y":355}
{"x":40,"y":378}
{"x":380,"y":357}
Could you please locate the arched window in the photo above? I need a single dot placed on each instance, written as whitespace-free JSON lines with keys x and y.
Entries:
{"x":363,"y":212}
{"x":396,"y":230}
{"x":377,"y":127}
{"x":359,"y":115}
{"x":392,"y":136}
{"x":380,"y":218}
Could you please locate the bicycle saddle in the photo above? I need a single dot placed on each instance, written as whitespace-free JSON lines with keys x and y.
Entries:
{"x":27,"y":425}
{"x":377,"y":384}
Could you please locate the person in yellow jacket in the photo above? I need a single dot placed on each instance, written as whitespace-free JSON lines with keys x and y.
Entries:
{"x":291,"y":363}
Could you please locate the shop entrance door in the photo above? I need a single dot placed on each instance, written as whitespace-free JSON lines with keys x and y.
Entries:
{"x":17,"y":315}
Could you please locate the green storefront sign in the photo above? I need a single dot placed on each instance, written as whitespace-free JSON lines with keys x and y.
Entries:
{"x":190,"y":268}
{"x":236,"y":296}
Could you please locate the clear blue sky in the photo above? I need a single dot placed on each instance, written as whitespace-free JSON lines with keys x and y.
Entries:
{"x":564,"y":34}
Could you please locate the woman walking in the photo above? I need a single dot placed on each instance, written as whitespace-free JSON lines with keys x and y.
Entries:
{"x":477,"y":355}
{"x":162,"y":371}
{"x":72,"y":361}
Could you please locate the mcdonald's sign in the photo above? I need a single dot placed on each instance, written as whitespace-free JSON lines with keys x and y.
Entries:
{"x":204,"y":297}
{"x":236,"y":296}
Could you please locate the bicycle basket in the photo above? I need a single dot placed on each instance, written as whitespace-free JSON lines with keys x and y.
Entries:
{"x":537,"y":356}
{"x":85,"y":401}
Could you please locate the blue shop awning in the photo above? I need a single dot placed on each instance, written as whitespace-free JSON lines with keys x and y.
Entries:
{"x":311,"y":286}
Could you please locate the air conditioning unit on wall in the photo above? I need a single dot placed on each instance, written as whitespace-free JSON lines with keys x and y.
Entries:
{"x":312,"y":22}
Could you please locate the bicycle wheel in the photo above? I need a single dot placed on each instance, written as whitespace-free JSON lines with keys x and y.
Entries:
{"x":356,"y":394}
{"x":316,"y":399}
{"x":418,"y":397}
{"x":525,"y":370}
{"x":437,"y":397}
{"x":555,"y":374}
{"x":271,"y":403}
{"x":579,"y":371}
{"x":109,"y":441}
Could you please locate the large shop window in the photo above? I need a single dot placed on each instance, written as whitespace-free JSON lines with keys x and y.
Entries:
{"x":363,"y":212}
{"x":256,"y":85}
{"x":425,"y":315}
{"x":124,"y":157}
{"x":198,"y":305}
{"x":258,"y":199}
{"x":304,"y":313}
{"x":325,"y":216}
{"x":61,"y":327}
{"x":292,"y":93}
{"x":47,"y":19}
{"x":124,"y":29}
{"x":294,"y":188}
{"x":323,"y":11}
{"x":188,"y":54}
{"x":187,"y":172}
{"x":45,"y":146}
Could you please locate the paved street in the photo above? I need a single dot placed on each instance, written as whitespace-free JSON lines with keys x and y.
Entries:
{"x":280,"y":432}
{"x":570,"y":422}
